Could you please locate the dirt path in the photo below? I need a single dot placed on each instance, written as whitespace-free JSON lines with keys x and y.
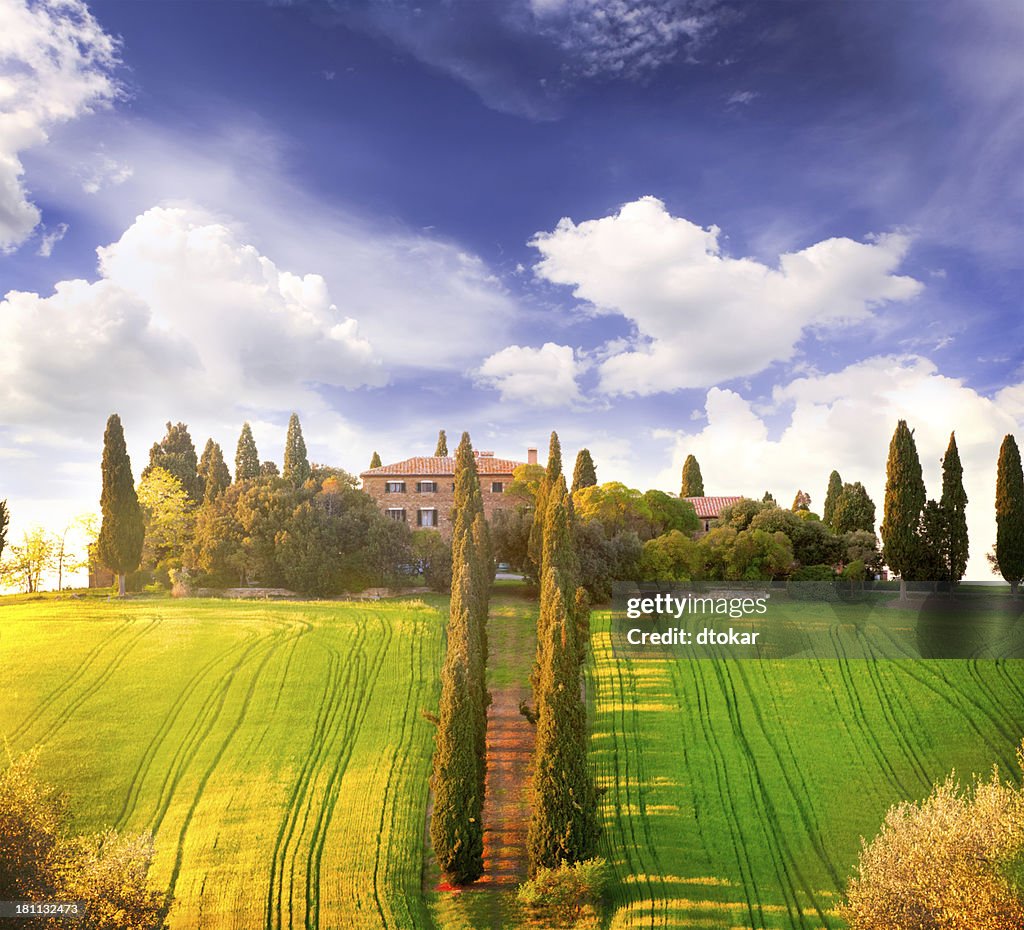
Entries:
{"x":506,"y":809}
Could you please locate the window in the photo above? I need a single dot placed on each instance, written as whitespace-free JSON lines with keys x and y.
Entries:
{"x":426,"y":487}
{"x":497,"y":487}
{"x":394,"y":487}
{"x":427,"y":517}
{"x":396,"y":513}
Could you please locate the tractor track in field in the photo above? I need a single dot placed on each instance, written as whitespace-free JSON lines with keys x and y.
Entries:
{"x":167,"y":724}
{"x":68,"y":683}
{"x":272,"y":646}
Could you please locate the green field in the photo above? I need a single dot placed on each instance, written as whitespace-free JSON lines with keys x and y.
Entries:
{"x":737,"y":790}
{"x":278,"y":754}
{"x":276,"y":751}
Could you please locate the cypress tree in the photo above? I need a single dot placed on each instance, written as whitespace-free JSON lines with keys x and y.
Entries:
{"x":442,"y":445}
{"x":456,"y":828}
{"x":904,"y":501}
{"x":375,"y":461}
{"x":213,"y":471}
{"x":176,"y":453}
{"x":296,"y":465}
{"x":853,"y":510}
{"x":1010,"y":514}
{"x":693,"y":482}
{"x":119,"y":546}
{"x":247,"y":458}
{"x":535,"y":546}
{"x":954,"y":503}
{"x":828,"y":510}
{"x":584,"y":475}
{"x":5,"y":519}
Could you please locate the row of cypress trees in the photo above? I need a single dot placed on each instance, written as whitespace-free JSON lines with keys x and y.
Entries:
{"x":456,"y":827}
{"x":564,"y":822}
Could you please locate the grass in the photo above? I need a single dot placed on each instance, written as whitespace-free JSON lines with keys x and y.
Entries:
{"x":276,"y":751}
{"x":737,"y":790}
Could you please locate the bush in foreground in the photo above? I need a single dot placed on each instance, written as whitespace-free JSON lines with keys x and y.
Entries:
{"x":952,"y":862}
{"x":567,"y":895}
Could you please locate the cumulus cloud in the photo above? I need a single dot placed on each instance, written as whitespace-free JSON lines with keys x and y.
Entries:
{"x":184,"y":315}
{"x":56,"y":63}
{"x":845,"y":420}
{"x":701,"y":316}
{"x":544,"y":377}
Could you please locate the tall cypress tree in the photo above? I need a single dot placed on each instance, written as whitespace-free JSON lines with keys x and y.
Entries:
{"x":119,"y":546}
{"x":177,"y":454}
{"x":584,"y":475}
{"x":247,"y":458}
{"x":828,"y":510}
{"x":1010,"y":514}
{"x":213,"y":471}
{"x":693,"y":481}
{"x":375,"y":461}
{"x":296,"y":465}
{"x":442,"y":445}
{"x":535,"y":546}
{"x":904,"y":501}
{"x":456,"y":828}
{"x":564,"y":824}
{"x":5,"y":519}
{"x":954,"y":503}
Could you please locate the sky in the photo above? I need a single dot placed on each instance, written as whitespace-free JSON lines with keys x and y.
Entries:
{"x":758,"y":232}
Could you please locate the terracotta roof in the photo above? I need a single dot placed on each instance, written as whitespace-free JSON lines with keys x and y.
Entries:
{"x":708,"y":508}
{"x":432,"y":465}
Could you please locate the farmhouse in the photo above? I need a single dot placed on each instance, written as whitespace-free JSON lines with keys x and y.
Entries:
{"x":708,"y":508}
{"x":421,"y":490}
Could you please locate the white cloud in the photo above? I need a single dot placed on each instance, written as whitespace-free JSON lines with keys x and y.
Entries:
{"x":844,"y":421}
{"x":741,"y":98}
{"x":55,"y":65}
{"x":49,"y":239}
{"x":701,"y":316}
{"x":544,"y":377}
{"x":104,"y":171}
{"x":623,"y":37}
{"x":183,"y":316}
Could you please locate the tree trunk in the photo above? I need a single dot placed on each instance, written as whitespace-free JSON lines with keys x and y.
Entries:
{"x":120,"y":584}
{"x":1013,"y":590}
{"x":903,"y":588}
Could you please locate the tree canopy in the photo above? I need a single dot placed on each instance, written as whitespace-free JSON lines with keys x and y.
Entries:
{"x":119,"y":546}
{"x":1010,"y":514}
{"x":904,"y":501}
{"x":693,"y":482}
{"x":296,"y":464}
{"x":247,"y":458}
{"x":177,"y":454}
{"x":584,"y":475}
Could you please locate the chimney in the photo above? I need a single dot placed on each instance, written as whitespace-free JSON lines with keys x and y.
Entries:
{"x":531,"y":456}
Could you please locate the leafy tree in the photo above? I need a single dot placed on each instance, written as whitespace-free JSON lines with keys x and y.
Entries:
{"x":693,"y":482}
{"x":269,"y":469}
{"x":526,"y":481}
{"x":442,"y":445}
{"x":510,"y":534}
{"x":26,"y":562}
{"x":176,"y":453}
{"x":944,"y":863}
{"x":375,"y":461}
{"x":752,"y":554}
{"x":769,"y":498}
{"x":67,"y":556}
{"x":835,"y":488}
{"x":904,"y":501}
{"x":739,"y":515}
{"x":862,"y":546}
{"x":296,"y":465}
{"x":584,"y":475}
{"x":213,"y":470}
{"x":566,"y":894}
{"x":247,"y":458}
{"x":5,"y":519}
{"x":813,"y":543}
{"x":40,"y":859}
{"x":954,"y":502}
{"x":119,"y":546}
{"x":168,"y":517}
{"x":1010,"y":514}
{"x":620,"y":509}
{"x":852,"y":510}
{"x":434,"y":556}
{"x":603,"y":560}
{"x":672,"y":557}
{"x":802,"y":501}
{"x":933,"y":551}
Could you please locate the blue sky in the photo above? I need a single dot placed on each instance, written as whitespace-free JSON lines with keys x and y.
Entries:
{"x":761,"y":232}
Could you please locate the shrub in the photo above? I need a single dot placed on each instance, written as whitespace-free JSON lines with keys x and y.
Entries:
{"x":952,"y":862}
{"x":567,"y":895}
